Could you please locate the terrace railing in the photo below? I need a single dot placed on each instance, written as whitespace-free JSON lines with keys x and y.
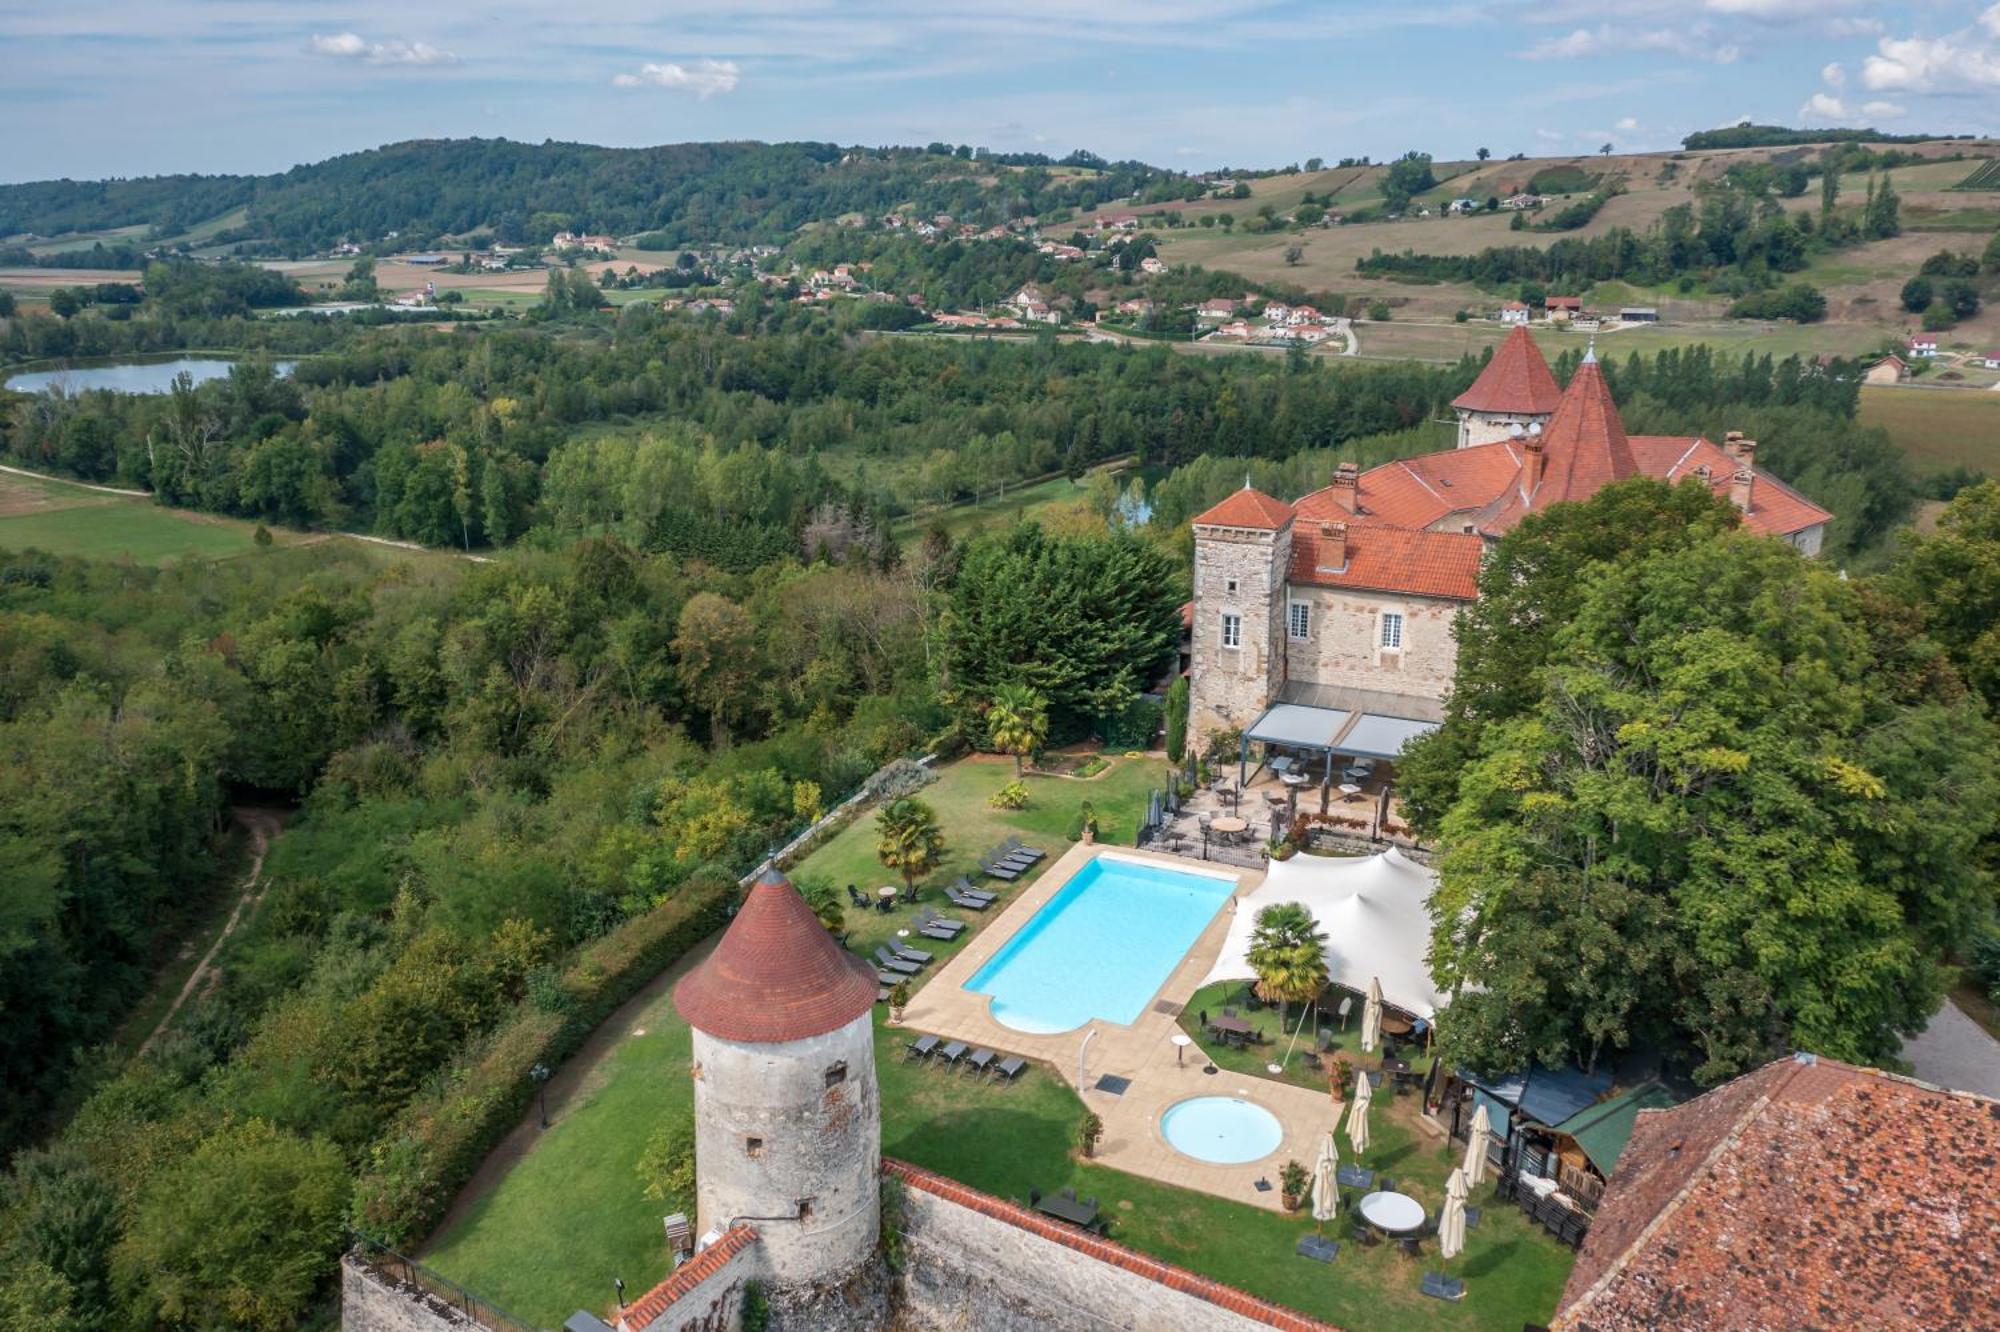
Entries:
{"x":423,"y":1284}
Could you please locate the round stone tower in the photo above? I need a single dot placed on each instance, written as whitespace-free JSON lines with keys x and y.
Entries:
{"x":788,"y":1121}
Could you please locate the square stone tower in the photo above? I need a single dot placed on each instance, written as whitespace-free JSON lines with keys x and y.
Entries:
{"x":1242,"y":569}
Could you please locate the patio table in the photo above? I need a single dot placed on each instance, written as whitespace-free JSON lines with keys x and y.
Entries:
{"x":1068,"y":1209}
{"x":1229,"y":825}
{"x":1395,"y":1025}
{"x":1393,"y":1212}
{"x":1294,"y":779}
{"x":1229,"y":1026}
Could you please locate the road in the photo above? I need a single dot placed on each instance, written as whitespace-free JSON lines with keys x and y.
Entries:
{"x":1954,"y":1051}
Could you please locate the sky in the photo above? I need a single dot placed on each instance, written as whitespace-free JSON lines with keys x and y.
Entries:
{"x":92,"y":88}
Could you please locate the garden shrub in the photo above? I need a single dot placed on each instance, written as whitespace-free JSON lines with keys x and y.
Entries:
{"x":1014,"y":795}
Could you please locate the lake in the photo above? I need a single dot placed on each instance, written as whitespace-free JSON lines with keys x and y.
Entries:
{"x":136,"y":376}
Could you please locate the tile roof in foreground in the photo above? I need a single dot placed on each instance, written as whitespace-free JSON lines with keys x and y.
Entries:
{"x":1808,"y":1194}
{"x":1248,"y":507}
{"x":685,"y":1279}
{"x":777,"y":975}
{"x":1516,"y":381}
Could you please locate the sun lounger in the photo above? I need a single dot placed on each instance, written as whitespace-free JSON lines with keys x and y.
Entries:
{"x":891,"y":978}
{"x":980,"y":1060}
{"x":894,"y":963}
{"x":933,"y":932}
{"x":920,"y":1048}
{"x":1015,"y":848}
{"x":1012,"y":859}
{"x":1009,"y":1068}
{"x":951,"y":1053}
{"x":1005,"y":873}
{"x":969,"y":903}
{"x":909,"y":954}
{"x":966,"y":888}
{"x":938,"y":920}
{"x":882,"y":995}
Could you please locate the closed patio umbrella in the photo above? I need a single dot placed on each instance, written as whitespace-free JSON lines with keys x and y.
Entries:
{"x":1371,"y":1016}
{"x":1475,"y":1150}
{"x":1357,"y":1113}
{"x":1326,"y":1192}
{"x":1451,"y":1223}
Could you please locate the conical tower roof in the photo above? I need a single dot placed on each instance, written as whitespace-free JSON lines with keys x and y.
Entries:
{"x":1584,"y":447}
{"x":1516,"y":382}
{"x":777,"y":975}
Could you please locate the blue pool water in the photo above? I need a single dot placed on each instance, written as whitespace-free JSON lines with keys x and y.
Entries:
{"x":1101,"y":947}
{"x":1221,"y":1130}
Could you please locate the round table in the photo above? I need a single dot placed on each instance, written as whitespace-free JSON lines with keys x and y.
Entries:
{"x":1181,"y":1042}
{"x":1295,"y":779}
{"x":1393,"y":1025}
{"x":1229,"y":825}
{"x":1393,"y":1212}
{"x":1348,"y":790}
{"x":886,"y":894}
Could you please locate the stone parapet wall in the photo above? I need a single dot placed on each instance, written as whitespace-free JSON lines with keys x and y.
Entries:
{"x":704,"y":1294}
{"x":375,"y":1300}
{"x":976,"y":1263}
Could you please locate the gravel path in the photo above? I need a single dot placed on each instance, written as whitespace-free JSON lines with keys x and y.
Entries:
{"x":1954,"y":1051}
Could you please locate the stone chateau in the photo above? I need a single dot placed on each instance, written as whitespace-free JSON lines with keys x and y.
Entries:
{"x":1326,"y":622}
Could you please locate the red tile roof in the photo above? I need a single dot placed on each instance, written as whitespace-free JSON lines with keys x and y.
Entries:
{"x":1516,"y":380}
{"x":1248,"y":507}
{"x":1775,"y":508}
{"x":1392,"y":559}
{"x":1104,"y":1251}
{"x":777,"y":975}
{"x":1808,"y":1194}
{"x":685,"y":1278}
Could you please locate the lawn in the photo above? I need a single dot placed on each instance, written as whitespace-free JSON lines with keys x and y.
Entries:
{"x":1300,"y":1064}
{"x":963,"y":520}
{"x":1939,"y":429}
{"x":69,"y":520}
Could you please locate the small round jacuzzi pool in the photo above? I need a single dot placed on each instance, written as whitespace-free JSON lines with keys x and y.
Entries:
{"x":1221,"y":1130}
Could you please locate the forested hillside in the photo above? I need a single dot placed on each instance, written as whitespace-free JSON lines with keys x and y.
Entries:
{"x":519,"y":192}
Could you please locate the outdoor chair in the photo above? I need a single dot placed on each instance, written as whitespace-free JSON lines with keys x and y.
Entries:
{"x":1014,"y":846}
{"x":885,"y":905}
{"x":891,"y":978}
{"x":909,"y":954}
{"x":854,"y":897}
{"x":950,"y":1054}
{"x":909,"y":893}
{"x":938,"y":932}
{"x":933,"y":920}
{"x":980,"y":1060}
{"x":920,"y":1048}
{"x":1004,"y":873}
{"x":1411,"y":1246}
{"x":894,"y":963}
{"x":969,"y":903}
{"x":1009,"y":1068}
{"x":967,"y":888}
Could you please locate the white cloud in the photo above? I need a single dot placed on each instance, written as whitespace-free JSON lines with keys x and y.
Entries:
{"x":1886,"y":109}
{"x":1550,"y":136}
{"x":704,"y":78}
{"x":1834,"y":75}
{"x":1628,"y":123}
{"x":1966,"y":59}
{"x":352,"y":46}
{"x":1696,"y":43}
{"x":1823,"y":108}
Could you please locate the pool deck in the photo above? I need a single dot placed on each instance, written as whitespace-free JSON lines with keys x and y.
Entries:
{"x":1142,"y":1052}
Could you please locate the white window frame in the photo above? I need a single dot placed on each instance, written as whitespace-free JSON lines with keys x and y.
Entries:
{"x":1232,"y":630}
{"x":1391,"y":636}
{"x":1298,"y":621}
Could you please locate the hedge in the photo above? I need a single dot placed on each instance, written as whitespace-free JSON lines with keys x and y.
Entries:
{"x":438,"y":1140}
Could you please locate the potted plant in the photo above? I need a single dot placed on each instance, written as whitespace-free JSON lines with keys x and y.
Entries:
{"x":1292,"y":1183}
{"x":899,"y":999}
{"x":1342,"y":1077}
{"x":1089,"y":1132}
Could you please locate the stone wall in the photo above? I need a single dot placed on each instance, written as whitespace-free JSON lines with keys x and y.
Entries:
{"x":975,"y":1263}
{"x":705,"y":1294}
{"x":1344,"y":647}
{"x":373,"y":1300}
{"x":1492,"y":427}
{"x":1231,"y":687}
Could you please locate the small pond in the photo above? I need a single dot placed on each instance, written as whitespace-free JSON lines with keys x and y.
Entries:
{"x":129,"y":376}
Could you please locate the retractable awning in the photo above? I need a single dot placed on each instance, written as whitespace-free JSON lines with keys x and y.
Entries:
{"x":1361,"y":723}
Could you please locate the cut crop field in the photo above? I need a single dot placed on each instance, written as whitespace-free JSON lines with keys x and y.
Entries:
{"x":1939,"y":429}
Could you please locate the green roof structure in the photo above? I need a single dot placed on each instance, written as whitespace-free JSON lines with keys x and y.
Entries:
{"x":1603,"y":1129}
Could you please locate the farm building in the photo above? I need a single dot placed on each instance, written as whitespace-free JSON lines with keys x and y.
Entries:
{"x":1891,"y":369}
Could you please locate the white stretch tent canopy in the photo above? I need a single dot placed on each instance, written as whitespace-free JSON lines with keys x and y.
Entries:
{"x":1374,"y":911}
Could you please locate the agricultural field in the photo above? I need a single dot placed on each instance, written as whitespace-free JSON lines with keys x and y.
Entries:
{"x":66,"y":519}
{"x":1939,"y":429}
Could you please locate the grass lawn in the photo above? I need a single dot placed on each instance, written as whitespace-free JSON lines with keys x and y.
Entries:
{"x":1301,"y":1067}
{"x":1938,"y":429}
{"x":963,"y":520}
{"x":70,"y":520}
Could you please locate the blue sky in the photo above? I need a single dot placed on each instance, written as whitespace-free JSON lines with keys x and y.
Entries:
{"x":132,"y":87}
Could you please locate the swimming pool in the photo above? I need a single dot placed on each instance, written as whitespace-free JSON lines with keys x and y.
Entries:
{"x":1222,"y":1130}
{"x":1101,"y":947}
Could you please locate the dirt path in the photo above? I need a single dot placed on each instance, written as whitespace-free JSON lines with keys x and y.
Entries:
{"x":262,"y":825}
{"x":80,"y":485}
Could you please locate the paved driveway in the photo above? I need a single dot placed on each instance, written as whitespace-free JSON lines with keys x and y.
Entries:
{"x":1954,"y":1051}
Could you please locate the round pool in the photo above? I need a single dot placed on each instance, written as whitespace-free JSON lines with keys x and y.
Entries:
{"x":1222,"y":1130}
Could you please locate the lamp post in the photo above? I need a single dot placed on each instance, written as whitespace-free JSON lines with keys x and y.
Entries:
{"x":541,"y":1073}
{"x":1204,"y":835}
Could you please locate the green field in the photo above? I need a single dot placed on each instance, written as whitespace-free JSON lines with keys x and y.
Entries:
{"x":962,"y":520}
{"x":1939,"y":429}
{"x":70,"y":520}
{"x":568,"y":1216}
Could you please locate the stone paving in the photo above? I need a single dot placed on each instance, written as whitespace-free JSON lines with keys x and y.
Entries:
{"x":1143,"y":1052}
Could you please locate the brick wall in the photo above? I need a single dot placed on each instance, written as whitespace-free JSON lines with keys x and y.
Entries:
{"x":979,"y":1263}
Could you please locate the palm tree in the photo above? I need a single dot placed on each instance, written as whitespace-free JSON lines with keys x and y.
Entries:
{"x":908,"y":839}
{"x":1018,"y":721}
{"x":1288,"y":953}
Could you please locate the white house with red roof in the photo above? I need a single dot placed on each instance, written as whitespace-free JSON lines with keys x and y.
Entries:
{"x":1924,"y":345}
{"x":1325,"y":624}
{"x":1514,"y":312}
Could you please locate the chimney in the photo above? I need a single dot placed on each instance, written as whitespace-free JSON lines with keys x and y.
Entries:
{"x":1741,"y":451}
{"x":1531,"y":466}
{"x":1347,"y":486}
{"x":1739,"y":488}
{"x":1333,"y":547}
